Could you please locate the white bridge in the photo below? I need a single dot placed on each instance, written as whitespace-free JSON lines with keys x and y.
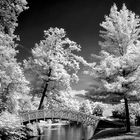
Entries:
{"x":59,"y":114}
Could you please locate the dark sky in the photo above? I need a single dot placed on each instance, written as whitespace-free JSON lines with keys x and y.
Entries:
{"x":80,"y":19}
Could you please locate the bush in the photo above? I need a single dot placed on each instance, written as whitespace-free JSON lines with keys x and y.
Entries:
{"x":101,"y":109}
{"x":10,"y":127}
{"x":98,"y":110}
{"x":85,"y":107}
{"x":119,"y":111}
{"x":34,"y":129}
{"x":135,"y":111}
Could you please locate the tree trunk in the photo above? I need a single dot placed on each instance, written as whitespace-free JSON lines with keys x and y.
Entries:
{"x":42,"y":97}
{"x":44,"y":91}
{"x":127,"y":115}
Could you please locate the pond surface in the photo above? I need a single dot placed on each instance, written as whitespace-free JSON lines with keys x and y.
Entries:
{"x":64,"y":132}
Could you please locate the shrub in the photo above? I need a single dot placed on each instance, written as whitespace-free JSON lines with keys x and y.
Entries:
{"x":95,"y":108}
{"x":85,"y":107}
{"x":134,"y":110}
{"x":10,"y":127}
{"x":101,"y":109}
{"x":34,"y":129}
{"x":118,"y":111}
{"x":98,"y":110}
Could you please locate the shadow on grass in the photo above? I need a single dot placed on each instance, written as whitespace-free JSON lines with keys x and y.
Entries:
{"x":109,"y":132}
{"x":118,"y":134}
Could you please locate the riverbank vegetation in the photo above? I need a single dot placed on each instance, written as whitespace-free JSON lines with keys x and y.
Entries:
{"x":44,"y":80}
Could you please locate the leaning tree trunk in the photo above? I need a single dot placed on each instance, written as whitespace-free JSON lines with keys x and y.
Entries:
{"x":45,"y":90}
{"x":43,"y":96}
{"x":127,"y":115}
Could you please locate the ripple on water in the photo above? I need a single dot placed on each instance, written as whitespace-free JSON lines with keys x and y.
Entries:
{"x":63,"y":133}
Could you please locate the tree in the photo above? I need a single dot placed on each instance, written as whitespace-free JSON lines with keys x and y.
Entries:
{"x":68,"y":101}
{"x":13,"y":85}
{"x":9,"y":12}
{"x":119,"y":67}
{"x":12,"y":81}
{"x":54,"y":63}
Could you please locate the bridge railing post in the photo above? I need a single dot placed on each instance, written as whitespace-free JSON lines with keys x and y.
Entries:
{"x":29,"y":117}
{"x":36,"y":116}
{"x":52,"y":111}
{"x":44,"y":114}
{"x":20,"y":118}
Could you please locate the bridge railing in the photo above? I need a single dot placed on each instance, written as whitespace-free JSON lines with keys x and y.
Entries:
{"x":58,"y":114}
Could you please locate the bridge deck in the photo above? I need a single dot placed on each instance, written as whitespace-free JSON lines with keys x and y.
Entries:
{"x":59,"y":114}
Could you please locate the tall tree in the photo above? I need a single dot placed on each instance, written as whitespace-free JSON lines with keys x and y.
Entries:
{"x":119,"y":65}
{"x":13,"y":85}
{"x":54,"y":63}
{"x":9,"y":12}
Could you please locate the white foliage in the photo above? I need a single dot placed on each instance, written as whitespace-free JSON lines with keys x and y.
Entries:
{"x":119,"y":66}
{"x":13,"y":85}
{"x":121,"y":30}
{"x":54,"y":60}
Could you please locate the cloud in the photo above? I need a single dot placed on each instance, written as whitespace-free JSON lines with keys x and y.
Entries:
{"x":77,"y":92}
{"x":85,"y":82}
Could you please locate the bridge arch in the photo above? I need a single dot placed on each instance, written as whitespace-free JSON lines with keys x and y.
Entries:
{"x":59,"y":114}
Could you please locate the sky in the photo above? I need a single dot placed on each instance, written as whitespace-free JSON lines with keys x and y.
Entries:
{"x":79,"y":18}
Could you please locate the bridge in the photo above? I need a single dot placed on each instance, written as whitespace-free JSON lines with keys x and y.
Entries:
{"x":56,"y":113}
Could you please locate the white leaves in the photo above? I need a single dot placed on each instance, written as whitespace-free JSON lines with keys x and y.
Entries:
{"x":133,"y":93}
{"x":56,"y":53}
{"x":12,"y":81}
{"x":119,"y":65}
{"x":74,"y":77}
{"x":113,"y":87}
{"x":120,"y":30}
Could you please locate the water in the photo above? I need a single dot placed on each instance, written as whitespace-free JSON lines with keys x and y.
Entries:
{"x":64,"y":132}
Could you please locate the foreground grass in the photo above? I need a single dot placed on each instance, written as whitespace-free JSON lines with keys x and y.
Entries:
{"x":122,"y":138}
{"x":118,"y":134}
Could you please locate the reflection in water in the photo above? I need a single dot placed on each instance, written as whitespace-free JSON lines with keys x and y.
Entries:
{"x":48,"y":133}
{"x":63,"y":133}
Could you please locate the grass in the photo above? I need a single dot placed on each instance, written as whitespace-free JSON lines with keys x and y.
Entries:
{"x":118,"y":134}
